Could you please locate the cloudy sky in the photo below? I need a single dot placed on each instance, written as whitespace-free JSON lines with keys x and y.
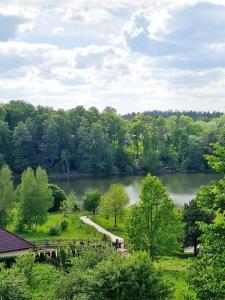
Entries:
{"x":134,"y":55}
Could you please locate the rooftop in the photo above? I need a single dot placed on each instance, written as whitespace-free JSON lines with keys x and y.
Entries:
{"x":10,"y":242}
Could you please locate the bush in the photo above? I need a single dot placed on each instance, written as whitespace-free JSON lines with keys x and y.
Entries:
{"x":105,"y":274}
{"x":13,"y":284}
{"x":64,"y":225}
{"x":53,"y":231}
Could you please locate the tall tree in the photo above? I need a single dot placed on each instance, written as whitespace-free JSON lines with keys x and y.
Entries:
{"x":7,"y":195}
{"x":71,"y":202}
{"x":5,"y":143}
{"x":114,"y":201}
{"x":22,"y":147}
{"x":154,"y":224}
{"x":192,"y":216}
{"x":35,"y":197}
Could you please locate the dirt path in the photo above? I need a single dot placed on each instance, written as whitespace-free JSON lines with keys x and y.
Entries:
{"x":100,"y":229}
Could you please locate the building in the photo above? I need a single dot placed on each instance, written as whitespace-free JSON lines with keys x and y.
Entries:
{"x":12,"y":245}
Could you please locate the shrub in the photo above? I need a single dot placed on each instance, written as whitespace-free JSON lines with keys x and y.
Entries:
{"x":53,"y":231}
{"x":64,"y":225}
{"x":105,"y":274}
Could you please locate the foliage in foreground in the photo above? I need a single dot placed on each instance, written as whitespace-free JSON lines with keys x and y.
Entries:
{"x":113,"y":276}
{"x":207,"y":273}
{"x":13,"y":284}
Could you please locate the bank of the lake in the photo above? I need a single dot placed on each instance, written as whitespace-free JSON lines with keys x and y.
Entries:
{"x":182,"y":187}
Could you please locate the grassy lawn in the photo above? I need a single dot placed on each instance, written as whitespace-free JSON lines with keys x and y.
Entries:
{"x":109,"y":224}
{"x":174,"y":270}
{"x":76,"y":229}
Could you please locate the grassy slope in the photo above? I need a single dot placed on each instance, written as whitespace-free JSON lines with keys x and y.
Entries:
{"x":76,"y":229}
{"x":174,"y":270}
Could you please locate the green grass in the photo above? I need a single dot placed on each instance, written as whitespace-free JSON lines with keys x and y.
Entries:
{"x":43,"y":281}
{"x":109,"y":224}
{"x":76,"y":229}
{"x":174,"y":270}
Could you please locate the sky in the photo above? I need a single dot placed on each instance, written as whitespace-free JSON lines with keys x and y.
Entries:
{"x":133,"y":55}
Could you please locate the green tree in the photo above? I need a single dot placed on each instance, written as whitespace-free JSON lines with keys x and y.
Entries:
{"x":206,"y":274}
{"x":114,"y":201}
{"x":212,"y":196}
{"x":7,"y":195}
{"x":71,"y":202}
{"x":154,"y":224}
{"x":91,"y":201}
{"x":5,"y":143}
{"x":18,"y":111}
{"x":22,"y":147}
{"x":217,"y":159}
{"x":58,"y":197}
{"x":35,"y":197}
{"x":192,"y":215}
{"x":50,"y":143}
{"x":44,"y":195}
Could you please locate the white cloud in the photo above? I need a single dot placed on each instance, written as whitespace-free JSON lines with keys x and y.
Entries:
{"x":57,"y":30}
{"x":94,"y":15}
{"x":190,"y":37}
{"x":56,"y":51}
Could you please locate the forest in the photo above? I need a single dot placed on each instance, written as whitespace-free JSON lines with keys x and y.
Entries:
{"x":156,"y":263}
{"x":86,"y":141}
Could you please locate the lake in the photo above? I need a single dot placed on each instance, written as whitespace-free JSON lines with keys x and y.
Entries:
{"x":181,"y":187}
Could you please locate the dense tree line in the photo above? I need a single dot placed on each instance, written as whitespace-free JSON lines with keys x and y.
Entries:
{"x":87,"y":141}
{"x":195,"y":115}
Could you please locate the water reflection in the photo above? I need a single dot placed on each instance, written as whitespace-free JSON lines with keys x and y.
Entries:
{"x":181,"y":187}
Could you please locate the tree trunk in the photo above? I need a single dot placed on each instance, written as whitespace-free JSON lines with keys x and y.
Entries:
{"x":68,"y":168}
{"x":195,"y":249}
{"x":115,"y":219}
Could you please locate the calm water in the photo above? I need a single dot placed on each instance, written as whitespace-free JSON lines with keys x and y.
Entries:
{"x":181,"y":187}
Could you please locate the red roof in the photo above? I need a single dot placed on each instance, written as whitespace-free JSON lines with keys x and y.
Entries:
{"x":10,"y":242}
